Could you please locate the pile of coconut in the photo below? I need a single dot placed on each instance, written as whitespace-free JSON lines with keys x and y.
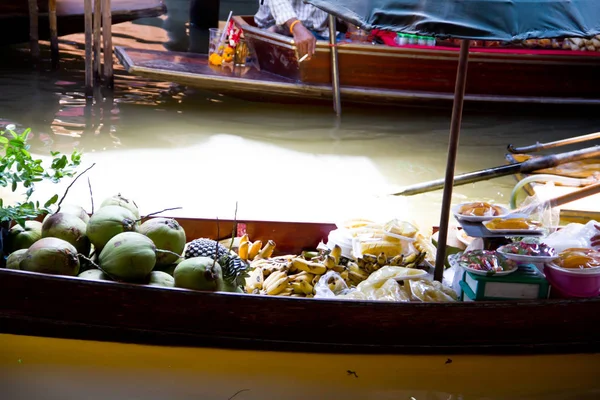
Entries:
{"x":112,"y":244}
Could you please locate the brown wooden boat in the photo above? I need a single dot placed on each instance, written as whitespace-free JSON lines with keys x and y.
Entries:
{"x":14,"y":17}
{"x":67,"y":307}
{"x":383,"y":74}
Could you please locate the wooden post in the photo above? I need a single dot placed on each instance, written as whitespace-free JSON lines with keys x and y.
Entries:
{"x":53,"y":32}
{"x":89,"y":80}
{"x":335,"y":72}
{"x":97,"y":40}
{"x":457,"y":108}
{"x":33,"y":29}
{"x":107,"y":39}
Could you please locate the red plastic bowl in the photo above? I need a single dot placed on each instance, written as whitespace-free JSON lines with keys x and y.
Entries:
{"x":573,"y":283}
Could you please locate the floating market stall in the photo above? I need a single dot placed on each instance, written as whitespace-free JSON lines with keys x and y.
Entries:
{"x":358,"y":286}
{"x":383,"y":70}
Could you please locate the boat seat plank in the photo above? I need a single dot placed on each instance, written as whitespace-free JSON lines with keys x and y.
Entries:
{"x":75,"y":7}
{"x":191,"y":63}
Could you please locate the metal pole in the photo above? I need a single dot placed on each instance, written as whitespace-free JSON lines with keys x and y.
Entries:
{"x":335,"y":72}
{"x":459,"y":94}
{"x":53,"y":33}
{"x":107,"y":40}
{"x":89,"y":80}
{"x":33,"y":29}
{"x":97,"y":20}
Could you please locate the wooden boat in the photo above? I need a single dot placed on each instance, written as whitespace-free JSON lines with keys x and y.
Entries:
{"x":382,"y":74}
{"x":586,"y":171}
{"x":14,"y":17}
{"x":66,"y":307}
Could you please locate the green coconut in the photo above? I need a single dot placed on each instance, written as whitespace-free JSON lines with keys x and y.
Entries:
{"x":21,"y":238}
{"x":70,"y":228}
{"x":51,"y":255}
{"x":167,"y":234}
{"x":94,"y":275}
{"x":108,"y":222}
{"x":118,"y":200}
{"x":198,"y":273}
{"x":14,"y":259}
{"x":128,"y":256}
{"x":72,"y":209}
{"x":160,"y":278}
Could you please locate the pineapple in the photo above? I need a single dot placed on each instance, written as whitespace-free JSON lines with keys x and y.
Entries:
{"x":234,"y":268}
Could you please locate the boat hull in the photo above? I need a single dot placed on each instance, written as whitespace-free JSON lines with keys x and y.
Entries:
{"x":520,"y":75}
{"x":100,"y":370}
{"x":67,"y":307}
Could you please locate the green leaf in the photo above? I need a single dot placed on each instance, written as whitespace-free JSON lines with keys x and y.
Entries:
{"x":52,"y":200}
{"x":3,"y":139}
{"x":14,"y":186}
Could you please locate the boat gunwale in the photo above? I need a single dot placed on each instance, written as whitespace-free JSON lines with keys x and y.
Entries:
{"x":476,"y":54}
{"x":308,"y":90}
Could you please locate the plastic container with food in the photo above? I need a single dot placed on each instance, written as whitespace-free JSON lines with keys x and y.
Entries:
{"x":478,"y":211}
{"x":576,"y":273}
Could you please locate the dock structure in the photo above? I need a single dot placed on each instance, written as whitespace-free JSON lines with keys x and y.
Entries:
{"x":98,"y":39}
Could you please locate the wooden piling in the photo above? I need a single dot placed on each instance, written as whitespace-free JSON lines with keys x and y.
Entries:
{"x":52,"y":20}
{"x":107,"y":43}
{"x":89,"y":80}
{"x":33,"y":29}
{"x":97,"y":40}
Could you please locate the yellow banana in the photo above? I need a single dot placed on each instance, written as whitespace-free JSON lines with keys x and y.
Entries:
{"x":316,"y":279}
{"x":381,"y":259}
{"x":302,"y":287}
{"x":244,"y":239}
{"x":254,"y":280}
{"x":313,"y":268}
{"x":243,"y":250}
{"x":356,"y":277}
{"x":267,"y":251}
{"x":360,"y":262}
{"x":369,"y":258}
{"x":303,"y":276}
{"x":336,"y":253}
{"x":297,"y":295}
{"x":397,"y":260}
{"x":410,"y":258}
{"x":329,"y":262}
{"x":277,"y":285}
{"x":339,"y":268}
{"x":254,"y":249}
{"x":287,"y":291}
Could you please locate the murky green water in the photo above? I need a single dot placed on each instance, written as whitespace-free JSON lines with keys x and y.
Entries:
{"x":159,"y":142}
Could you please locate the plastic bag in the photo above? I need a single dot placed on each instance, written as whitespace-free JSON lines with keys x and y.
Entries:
{"x":574,"y":236}
{"x":331,"y":285}
{"x":535,"y":209}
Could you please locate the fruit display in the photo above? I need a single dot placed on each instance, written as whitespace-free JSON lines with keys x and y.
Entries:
{"x":116,"y":244}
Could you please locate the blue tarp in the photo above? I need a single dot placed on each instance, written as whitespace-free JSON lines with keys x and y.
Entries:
{"x":504,"y":20}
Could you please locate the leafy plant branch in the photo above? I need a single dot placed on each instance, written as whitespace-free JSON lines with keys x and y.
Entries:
{"x":19,"y":169}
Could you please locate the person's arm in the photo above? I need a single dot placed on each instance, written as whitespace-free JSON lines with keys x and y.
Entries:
{"x":284,"y":15}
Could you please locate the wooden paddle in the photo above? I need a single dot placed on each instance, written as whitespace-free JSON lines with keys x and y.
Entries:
{"x":560,"y":200}
{"x":523,"y":167}
{"x":550,"y":145}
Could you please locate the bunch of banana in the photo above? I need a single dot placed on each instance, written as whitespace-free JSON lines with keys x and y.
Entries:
{"x":249,"y":251}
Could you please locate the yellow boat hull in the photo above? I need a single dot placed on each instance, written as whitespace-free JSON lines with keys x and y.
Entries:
{"x":38,"y":367}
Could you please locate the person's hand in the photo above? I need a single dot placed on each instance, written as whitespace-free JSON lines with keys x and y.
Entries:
{"x":595,"y":240}
{"x":304,"y":39}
